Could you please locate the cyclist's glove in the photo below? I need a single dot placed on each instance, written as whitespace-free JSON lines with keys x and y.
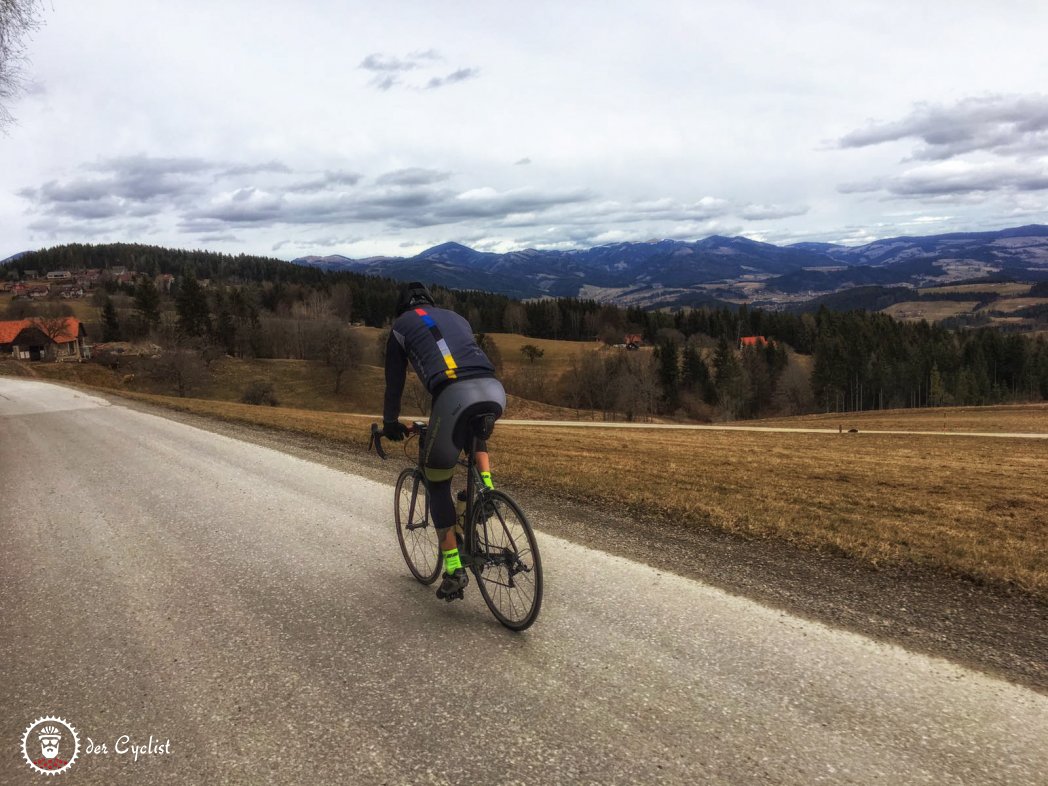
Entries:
{"x":394,"y":430}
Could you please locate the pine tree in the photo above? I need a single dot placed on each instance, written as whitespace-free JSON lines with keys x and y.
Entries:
{"x":194,"y":316}
{"x":147,"y":302}
{"x":669,"y":372}
{"x":110,"y":323}
{"x":729,"y":379}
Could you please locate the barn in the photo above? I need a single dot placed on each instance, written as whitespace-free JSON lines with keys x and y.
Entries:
{"x":59,"y":338}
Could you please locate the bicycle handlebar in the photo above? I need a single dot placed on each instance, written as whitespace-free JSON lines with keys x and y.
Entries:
{"x":376,"y":441}
{"x":376,"y":438}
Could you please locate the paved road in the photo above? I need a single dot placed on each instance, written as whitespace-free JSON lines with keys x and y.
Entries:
{"x":252,"y":609}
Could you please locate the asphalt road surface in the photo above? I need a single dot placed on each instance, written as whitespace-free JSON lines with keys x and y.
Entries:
{"x":251,"y":613}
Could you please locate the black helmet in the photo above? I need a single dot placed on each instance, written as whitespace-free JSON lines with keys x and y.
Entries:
{"x":413,"y":295}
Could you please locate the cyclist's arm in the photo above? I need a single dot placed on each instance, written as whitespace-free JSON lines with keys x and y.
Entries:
{"x":396,"y":374}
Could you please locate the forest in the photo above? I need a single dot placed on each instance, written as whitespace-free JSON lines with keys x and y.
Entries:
{"x":249,"y":306}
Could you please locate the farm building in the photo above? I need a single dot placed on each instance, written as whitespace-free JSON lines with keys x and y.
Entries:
{"x":62,"y":338}
{"x":753,"y":341}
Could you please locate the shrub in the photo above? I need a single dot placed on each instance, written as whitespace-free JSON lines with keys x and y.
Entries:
{"x":260,"y":392}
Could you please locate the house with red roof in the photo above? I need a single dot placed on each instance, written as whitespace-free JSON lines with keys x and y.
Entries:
{"x":44,"y":338}
{"x":752,"y":341}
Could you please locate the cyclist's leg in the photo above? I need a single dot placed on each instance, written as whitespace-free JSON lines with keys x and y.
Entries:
{"x":439,"y":465}
{"x":483,"y":458}
{"x":440,"y":459}
{"x":494,"y":392}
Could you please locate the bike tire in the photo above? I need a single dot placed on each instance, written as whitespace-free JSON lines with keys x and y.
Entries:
{"x":506,"y":561}
{"x":418,"y":538}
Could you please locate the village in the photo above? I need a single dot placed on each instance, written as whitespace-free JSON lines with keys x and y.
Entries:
{"x":75,"y":284}
{"x":60,"y":338}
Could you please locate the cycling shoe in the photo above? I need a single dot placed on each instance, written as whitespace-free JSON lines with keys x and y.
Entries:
{"x":452,"y":586}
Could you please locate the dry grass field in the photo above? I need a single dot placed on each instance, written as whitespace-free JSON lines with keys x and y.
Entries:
{"x":931,"y":310}
{"x":82,"y":308}
{"x":967,"y":506}
{"x":1008,"y":289}
{"x":556,"y":356}
{"x":1014,"y":304}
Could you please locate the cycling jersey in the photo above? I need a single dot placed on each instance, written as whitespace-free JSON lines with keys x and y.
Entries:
{"x":440,"y":347}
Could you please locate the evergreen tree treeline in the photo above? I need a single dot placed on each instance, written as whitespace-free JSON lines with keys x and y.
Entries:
{"x":861,"y":360}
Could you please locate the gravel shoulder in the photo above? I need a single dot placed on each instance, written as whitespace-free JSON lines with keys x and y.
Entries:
{"x":993,"y":630}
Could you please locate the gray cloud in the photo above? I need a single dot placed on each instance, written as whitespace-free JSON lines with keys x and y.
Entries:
{"x":136,"y":186}
{"x":956,"y":179}
{"x":122,"y":181}
{"x":522,"y":162}
{"x":222,"y":237}
{"x":254,"y":169}
{"x":1001,"y":124}
{"x":460,"y":75}
{"x":213,"y":200}
{"x":331,"y":178}
{"x":412,"y":176}
{"x":380,"y":62}
{"x":406,"y":207}
{"x":757,"y":212}
{"x":388,"y":71}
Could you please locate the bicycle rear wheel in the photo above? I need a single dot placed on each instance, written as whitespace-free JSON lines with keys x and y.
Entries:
{"x":506,"y":560}
{"x":418,"y":538}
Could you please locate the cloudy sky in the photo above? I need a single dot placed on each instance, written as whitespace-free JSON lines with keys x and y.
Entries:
{"x":362,"y":128}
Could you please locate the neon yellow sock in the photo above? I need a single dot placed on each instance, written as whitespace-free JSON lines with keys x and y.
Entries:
{"x":452,"y":561}
{"x":486,"y":477}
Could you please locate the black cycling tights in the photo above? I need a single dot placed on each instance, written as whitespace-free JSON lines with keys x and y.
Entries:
{"x":441,"y":505}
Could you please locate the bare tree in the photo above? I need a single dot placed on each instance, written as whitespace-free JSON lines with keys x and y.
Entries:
{"x":341,"y":354}
{"x":54,"y":327}
{"x":316,"y":305}
{"x":181,"y":369}
{"x":418,"y":395}
{"x":341,"y":303}
{"x":514,"y":318}
{"x":18,"y":18}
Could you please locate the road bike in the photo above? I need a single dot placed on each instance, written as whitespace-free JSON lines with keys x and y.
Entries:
{"x":496,"y":541}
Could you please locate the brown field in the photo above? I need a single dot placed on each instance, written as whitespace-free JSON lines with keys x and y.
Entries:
{"x":557,"y":354}
{"x":298,"y":384}
{"x":1014,"y":304}
{"x":932,"y":310}
{"x":1010,"y":289}
{"x":966,"y":506}
{"x":972,"y":507}
{"x":81,"y":307}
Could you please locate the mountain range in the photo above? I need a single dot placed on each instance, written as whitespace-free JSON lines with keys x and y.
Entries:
{"x":737,"y":269}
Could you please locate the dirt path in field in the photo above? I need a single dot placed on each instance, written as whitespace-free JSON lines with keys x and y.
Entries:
{"x":1000,"y":632}
{"x":695,"y":427}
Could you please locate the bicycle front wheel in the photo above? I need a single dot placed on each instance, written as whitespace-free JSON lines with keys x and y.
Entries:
{"x":506,"y":560}
{"x":418,"y":538}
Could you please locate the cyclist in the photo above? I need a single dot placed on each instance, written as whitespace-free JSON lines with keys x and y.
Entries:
{"x":441,"y":348}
